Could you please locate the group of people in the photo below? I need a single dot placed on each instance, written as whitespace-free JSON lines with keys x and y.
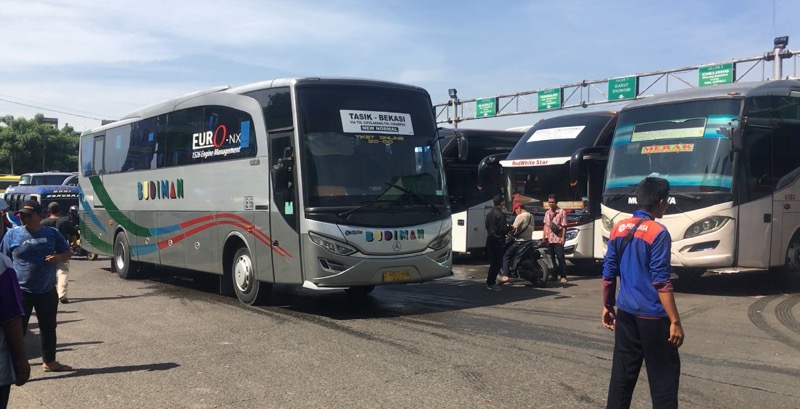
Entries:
{"x":643,"y":314}
{"x":502,"y":239}
{"x":30,"y":256}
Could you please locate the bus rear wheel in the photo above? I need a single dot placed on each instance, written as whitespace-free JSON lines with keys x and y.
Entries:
{"x":248,"y":289}
{"x":121,"y":260}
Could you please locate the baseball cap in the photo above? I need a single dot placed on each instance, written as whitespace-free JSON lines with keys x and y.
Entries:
{"x":30,"y":207}
{"x":516,"y":206}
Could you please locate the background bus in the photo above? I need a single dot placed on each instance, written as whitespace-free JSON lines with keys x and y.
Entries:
{"x":64,"y":195}
{"x":468,"y":200}
{"x":540,"y":165}
{"x":730,"y":155}
{"x":325,"y":183}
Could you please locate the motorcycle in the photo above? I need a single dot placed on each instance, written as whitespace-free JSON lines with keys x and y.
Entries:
{"x":78,"y":251}
{"x":532,"y":262}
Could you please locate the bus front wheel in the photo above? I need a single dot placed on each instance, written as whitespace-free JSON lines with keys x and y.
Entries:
{"x":248,"y":289}
{"x":793,"y":256}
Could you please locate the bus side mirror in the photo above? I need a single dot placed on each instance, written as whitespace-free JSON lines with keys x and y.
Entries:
{"x":577,"y":166}
{"x":736,"y":132}
{"x":282,"y":171}
{"x":489,"y":169}
{"x":463,"y":146}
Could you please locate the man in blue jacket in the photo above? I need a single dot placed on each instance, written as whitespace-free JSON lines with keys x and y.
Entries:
{"x":646,"y":322}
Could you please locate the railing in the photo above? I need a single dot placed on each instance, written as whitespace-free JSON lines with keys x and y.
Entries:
{"x":617,"y":89}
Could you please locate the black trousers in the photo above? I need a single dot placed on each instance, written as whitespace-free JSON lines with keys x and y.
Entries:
{"x":495,"y":248}
{"x":636,"y":339}
{"x":46,"y":305}
{"x":557,"y":252}
{"x":5,"y":390}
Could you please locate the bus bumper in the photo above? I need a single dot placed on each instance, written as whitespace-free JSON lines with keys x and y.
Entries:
{"x":327,"y":270}
{"x":711,"y":250}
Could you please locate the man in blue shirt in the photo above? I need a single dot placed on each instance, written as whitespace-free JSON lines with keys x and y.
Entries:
{"x":35,"y":250}
{"x":14,"y":366}
{"x":646,"y":322}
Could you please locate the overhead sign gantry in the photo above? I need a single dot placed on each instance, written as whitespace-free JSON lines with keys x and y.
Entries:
{"x":617,"y":89}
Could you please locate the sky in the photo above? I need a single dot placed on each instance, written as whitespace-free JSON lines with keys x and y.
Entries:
{"x":85,"y":60}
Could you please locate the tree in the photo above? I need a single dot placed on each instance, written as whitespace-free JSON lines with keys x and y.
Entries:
{"x":31,"y":145}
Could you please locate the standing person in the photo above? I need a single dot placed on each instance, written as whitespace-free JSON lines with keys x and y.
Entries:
{"x":35,"y":251}
{"x":646,"y":322}
{"x":67,"y":229}
{"x":496,"y":231}
{"x":521,"y":231}
{"x":555,"y":232}
{"x":14,"y":366}
{"x":5,"y":224}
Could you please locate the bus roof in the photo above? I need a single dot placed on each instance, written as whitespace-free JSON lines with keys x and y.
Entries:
{"x":170,"y":104}
{"x":560,"y":136}
{"x":735,"y":90}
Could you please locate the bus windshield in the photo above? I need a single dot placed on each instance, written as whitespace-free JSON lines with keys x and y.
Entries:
{"x":359,"y":141}
{"x":532,"y":185}
{"x":687,"y":144}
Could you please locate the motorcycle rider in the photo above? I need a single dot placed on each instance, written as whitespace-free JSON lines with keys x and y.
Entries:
{"x":74,"y":219}
{"x":521,"y":231}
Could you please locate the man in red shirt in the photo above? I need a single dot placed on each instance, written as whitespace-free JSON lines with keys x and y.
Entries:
{"x":555,"y":231}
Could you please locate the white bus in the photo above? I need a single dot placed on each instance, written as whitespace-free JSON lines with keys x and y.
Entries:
{"x":324,"y":183}
{"x":566,"y":156}
{"x":470,"y":198}
{"x":730,"y":154}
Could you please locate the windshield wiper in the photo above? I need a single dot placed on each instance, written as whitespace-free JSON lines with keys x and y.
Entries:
{"x":686,"y":196}
{"x":415,"y":194}
{"x":346,"y":214}
{"x":631,"y":189}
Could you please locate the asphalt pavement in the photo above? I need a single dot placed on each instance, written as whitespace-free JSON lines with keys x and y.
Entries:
{"x":171,"y":342}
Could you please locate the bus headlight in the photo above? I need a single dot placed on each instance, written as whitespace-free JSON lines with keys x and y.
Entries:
{"x":705,"y":226}
{"x":608,"y":224}
{"x":334,"y":246}
{"x":572,"y":234}
{"x":441,"y":241}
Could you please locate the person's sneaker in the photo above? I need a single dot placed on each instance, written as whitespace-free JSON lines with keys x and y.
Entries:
{"x":564,"y":279}
{"x":492,"y":288}
{"x":65,"y":300}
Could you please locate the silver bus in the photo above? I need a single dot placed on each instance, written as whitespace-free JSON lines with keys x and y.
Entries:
{"x":324,"y":183}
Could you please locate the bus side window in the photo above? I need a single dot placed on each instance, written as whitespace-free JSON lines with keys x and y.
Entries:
{"x":757,"y":163}
{"x":282,"y":175}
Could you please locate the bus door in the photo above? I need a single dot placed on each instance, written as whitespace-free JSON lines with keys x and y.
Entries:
{"x":755,"y":218}
{"x":284,"y":210}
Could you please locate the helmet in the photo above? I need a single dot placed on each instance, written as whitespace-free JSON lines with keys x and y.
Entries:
{"x":73,"y":209}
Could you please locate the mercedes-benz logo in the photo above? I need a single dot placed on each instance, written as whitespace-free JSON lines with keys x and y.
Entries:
{"x":397,"y":247}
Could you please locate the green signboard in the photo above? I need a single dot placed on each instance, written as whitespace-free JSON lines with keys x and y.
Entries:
{"x":549,"y":99}
{"x":623,"y":88}
{"x":716,"y":74}
{"x":485,"y":107}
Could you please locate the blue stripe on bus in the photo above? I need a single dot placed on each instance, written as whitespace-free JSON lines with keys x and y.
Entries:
{"x":155,"y":231}
{"x":142,"y":249}
{"x":88,"y":209}
{"x":244,"y":135}
{"x":687,"y":180}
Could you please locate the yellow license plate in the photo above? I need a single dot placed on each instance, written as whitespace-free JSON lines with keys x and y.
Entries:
{"x":403,"y":275}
